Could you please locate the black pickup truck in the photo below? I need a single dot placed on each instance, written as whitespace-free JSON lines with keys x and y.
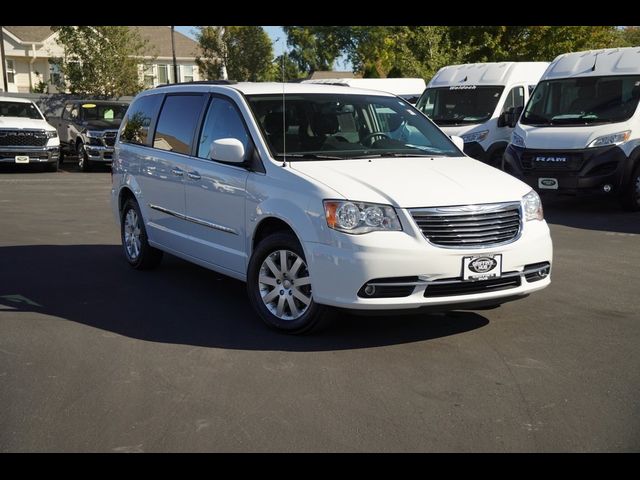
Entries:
{"x":88,"y":129}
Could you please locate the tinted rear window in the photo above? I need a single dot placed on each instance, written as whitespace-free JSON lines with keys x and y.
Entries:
{"x":135,"y":127}
{"x":177,"y":123}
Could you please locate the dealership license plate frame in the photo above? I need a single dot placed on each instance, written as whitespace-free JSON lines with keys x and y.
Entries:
{"x":542,"y":185}
{"x":470,"y":275}
{"x":22,"y":159}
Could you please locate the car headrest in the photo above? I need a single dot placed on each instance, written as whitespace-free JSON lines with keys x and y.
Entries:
{"x":325,"y":124}
{"x":394,"y":121}
{"x":273,"y":123}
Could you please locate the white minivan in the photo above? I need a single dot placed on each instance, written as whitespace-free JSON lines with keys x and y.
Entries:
{"x":480,"y":102}
{"x":580,"y":131}
{"x":319,"y":197}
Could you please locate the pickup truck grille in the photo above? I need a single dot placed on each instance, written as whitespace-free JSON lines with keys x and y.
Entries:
{"x":110,"y":138}
{"x":469,"y":226}
{"x":23,"y":138}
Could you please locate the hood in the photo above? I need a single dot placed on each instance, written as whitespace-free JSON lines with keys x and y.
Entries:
{"x":566,"y":138}
{"x":460,"y":130}
{"x":415,"y":182}
{"x":24,"y":123}
{"x":101,"y":125}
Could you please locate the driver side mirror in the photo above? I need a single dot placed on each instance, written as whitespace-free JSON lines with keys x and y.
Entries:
{"x":510,"y":117}
{"x":458,"y":142}
{"x":229,"y":150}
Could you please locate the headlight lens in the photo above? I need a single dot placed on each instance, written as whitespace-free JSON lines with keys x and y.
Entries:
{"x":52,"y":134}
{"x":358,"y":217}
{"x":475,"y":136}
{"x":94,"y":133}
{"x":613,"y":139}
{"x":532,"y":206}
{"x":517,"y":140}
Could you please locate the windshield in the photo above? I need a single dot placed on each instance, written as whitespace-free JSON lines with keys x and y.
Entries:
{"x":581,"y":101}
{"x":19,"y":109}
{"x":460,"y":105}
{"x":106,"y":112}
{"x":341,"y":126}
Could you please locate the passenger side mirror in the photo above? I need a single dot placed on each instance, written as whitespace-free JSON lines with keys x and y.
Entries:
{"x":458,"y":141}
{"x":229,"y":150}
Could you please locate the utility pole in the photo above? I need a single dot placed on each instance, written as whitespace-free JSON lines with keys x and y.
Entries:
{"x":3,"y":60}
{"x":173,"y":50}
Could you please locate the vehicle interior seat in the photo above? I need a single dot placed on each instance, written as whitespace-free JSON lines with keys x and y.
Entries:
{"x":584,"y":102}
{"x":276,"y":132}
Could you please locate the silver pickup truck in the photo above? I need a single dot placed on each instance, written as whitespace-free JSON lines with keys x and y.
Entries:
{"x":88,"y":129}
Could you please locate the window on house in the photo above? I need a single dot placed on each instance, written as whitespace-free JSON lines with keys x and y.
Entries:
{"x":165,"y":74}
{"x":187,"y":73}
{"x":54,"y":74}
{"x":149,"y":77}
{"x":11,"y":71}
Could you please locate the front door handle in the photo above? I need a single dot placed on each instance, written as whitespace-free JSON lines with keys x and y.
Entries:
{"x":177,"y":172}
{"x":194,"y":175}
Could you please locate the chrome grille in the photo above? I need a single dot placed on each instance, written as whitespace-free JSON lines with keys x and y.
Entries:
{"x":110,"y":138}
{"x":469,"y":226}
{"x":23,"y":138}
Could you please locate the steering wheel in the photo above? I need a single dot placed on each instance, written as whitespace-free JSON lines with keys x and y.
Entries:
{"x":371,"y":136}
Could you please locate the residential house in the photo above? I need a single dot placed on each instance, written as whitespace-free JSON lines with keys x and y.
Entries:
{"x":29,"y":48}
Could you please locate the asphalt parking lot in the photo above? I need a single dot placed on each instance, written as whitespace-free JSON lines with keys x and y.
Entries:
{"x":97,"y":357}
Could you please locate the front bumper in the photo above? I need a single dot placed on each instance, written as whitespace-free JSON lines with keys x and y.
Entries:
{"x":339,"y":270}
{"x":97,"y":153}
{"x":587,"y":170}
{"x":36,"y":154}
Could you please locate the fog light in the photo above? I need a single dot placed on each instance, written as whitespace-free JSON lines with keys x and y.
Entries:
{"x":606,"y":188}
{"x":369,"y":290}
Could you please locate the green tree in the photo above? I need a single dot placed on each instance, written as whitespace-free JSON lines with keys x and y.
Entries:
{"x":314,"y":48}
{"x":100,"y":60}
{"x":629,"y":36}
{"x":291,"y":70}
{"x":245,"y":51}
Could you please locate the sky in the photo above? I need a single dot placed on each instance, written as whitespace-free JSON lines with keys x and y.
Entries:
{"x":278,"y":46}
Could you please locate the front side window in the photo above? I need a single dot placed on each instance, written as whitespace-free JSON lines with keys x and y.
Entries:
{"x":515,"y":99}
{"x":66,"y":113}
{"x":346,"y":126}
{"x":177,"y":123}
{"x":222,"y":121}
{"x":583,"y":101}
{"x":20,"y":110}
{"x":135,"y":126}
{"x":460,"y":105}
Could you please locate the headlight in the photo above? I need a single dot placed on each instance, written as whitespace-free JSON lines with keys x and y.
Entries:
{"x":475,"y":136}
{"x":52,"y":134}
{"x":517,"y":140}
{"x":94,"y":133}
{"x":357,"y":217}
{"x":532,"y":206}
{"x":613,"y":139}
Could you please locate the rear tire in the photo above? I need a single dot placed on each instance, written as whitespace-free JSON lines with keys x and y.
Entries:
{"x":281,"y":294}
{"x":631,"y":197}
{"x":133,"y":234}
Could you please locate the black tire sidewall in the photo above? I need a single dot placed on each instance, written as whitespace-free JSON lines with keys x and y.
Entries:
{"x":278,"y":241}
{"x":83,"y":157}
{"x":144,"y":245}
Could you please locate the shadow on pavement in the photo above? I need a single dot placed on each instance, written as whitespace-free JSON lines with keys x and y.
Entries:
{"x":182,"y":303}
{"x":590,"y":213}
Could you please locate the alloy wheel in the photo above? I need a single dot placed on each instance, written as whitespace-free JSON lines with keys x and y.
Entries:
{"x":132,"y":234}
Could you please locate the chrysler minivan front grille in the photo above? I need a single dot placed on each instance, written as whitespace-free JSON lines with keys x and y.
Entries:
{"x":470,"y":226}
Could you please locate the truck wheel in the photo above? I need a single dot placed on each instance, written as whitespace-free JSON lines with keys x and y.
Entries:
{"x":279,"y":286}
{"x":631,"y":198}
{"x":137,"y":250}
{"x":83,"y":159}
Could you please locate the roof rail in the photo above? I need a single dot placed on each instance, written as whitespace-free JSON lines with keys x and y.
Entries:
{"x":200,"y":82}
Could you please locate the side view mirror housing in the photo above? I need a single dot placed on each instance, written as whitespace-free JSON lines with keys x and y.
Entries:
{"x":510,"y":117}
{"x":229,"y":150}
{"x":458,"y":141}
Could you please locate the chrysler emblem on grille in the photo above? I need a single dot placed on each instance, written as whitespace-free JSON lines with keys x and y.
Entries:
{"x":482,"y":264}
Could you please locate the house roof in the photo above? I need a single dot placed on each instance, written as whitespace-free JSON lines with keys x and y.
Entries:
{"x":159,"y":38}
{"x":31,"y":34}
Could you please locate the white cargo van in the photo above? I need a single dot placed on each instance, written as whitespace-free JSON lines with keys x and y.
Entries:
{"x":580,"y":132}
{"x":480,"y":102}
{"x":408,"y":88}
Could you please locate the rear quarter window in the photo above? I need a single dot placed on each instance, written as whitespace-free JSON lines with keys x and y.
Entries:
{"x":137,"y":121}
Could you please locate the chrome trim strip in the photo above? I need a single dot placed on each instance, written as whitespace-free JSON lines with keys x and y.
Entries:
{"x":481,"y":208}
{"x":195,"y":220}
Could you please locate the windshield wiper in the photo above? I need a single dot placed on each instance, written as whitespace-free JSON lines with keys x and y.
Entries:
{"x":310,"y":156}
{"x":535,"y":118}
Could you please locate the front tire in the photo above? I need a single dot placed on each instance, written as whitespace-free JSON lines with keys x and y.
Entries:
{"x":133,"y":234}
{"x":279,"y":286}
{"x":83,"y":158}
{"x":631,"y":197}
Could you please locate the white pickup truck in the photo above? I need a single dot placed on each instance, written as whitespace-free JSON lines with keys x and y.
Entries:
{"x":25,"y":136}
